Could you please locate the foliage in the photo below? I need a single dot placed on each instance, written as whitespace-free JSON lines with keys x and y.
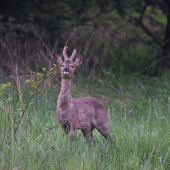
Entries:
{"x":18,"y":110}
{"x":131,"y":33}
{"x":3,"y":88}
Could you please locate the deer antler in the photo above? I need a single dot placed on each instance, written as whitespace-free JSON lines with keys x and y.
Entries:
{"x":73,"y":54}
{"x":64,"y":52}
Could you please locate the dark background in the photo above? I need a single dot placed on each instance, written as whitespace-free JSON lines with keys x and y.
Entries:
{"x":131,"y":36}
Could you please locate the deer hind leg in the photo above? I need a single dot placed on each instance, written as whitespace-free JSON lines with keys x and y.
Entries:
{"x":88,"y":135}
{"x":104,"y":130}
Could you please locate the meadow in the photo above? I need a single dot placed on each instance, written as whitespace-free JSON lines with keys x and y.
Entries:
{"x":139,"y":110}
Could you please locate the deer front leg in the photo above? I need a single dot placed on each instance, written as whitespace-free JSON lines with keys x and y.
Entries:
{"x":72,"y":133}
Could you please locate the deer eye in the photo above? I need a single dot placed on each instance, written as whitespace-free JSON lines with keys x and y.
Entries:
{"x":62,"y":66}
{"x":72,"y":66}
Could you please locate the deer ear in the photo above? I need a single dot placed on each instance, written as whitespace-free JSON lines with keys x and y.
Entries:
{"x":78,"y":60}
{"x":58,"y":59}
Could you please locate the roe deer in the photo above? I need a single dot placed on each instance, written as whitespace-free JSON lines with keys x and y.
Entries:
{"x":78,"y":113}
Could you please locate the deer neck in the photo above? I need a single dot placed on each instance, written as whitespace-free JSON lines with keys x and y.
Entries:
{"x":64,"y":99}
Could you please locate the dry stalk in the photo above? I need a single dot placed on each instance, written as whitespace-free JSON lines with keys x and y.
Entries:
{"x":123,"y":87}
{"x":5,"y":129}
{"x":153,"y":150}
{"x":70,"y":36}
{"x":108,"y":113}
{"x":118,"y":91}
{"x":88,"y":164}
{"x":4,"y":111}
{"x":88,"y":43}
{"x":23,"y":149}
{"x":19,"y":90}
{"x":12,"y":132}
{"x":4,"y":134}
{"x":111,"y":86}
{"x":163,"y":58}
{"x":96,"y":163}
{"x":95,"y":61}
{"x":87,"y":60}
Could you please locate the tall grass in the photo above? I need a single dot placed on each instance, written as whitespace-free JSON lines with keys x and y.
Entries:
{"x":139,"y":122}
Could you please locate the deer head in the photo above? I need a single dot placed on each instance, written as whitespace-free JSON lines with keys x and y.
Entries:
{"x":68,"y":66}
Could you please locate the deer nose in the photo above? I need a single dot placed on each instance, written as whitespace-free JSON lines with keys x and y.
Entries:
{"x":66,"y":69}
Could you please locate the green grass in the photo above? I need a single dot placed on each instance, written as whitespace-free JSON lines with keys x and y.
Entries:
{"x":139,"y":122}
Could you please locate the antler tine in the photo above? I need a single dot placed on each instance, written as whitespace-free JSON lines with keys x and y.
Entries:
{"x":73,"y":54}
{"x":64,"y":52}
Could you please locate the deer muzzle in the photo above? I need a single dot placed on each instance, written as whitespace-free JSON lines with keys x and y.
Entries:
{"x":66,"y":70}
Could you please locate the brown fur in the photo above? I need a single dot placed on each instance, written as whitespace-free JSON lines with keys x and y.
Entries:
{"x":79,"y":113}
